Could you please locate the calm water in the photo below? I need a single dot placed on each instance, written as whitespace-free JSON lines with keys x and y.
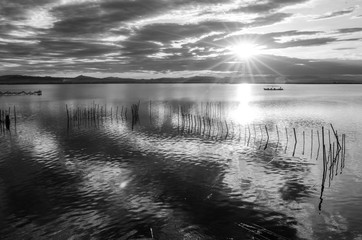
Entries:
{"x":212,"y":174}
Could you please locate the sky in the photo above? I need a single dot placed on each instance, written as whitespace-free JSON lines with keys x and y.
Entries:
{"x":180,"y":38}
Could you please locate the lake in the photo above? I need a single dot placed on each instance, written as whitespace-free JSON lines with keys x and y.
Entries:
{"x":173,"y":161}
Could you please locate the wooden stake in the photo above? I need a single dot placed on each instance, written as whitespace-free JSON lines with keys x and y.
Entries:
{"x":14,"y":115}
{"x":267,"y":140}
{"x":303,"y":142}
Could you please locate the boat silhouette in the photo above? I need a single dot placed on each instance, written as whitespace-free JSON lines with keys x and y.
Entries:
{"x":273,"y":88}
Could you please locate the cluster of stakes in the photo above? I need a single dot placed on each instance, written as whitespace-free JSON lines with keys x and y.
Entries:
{"x":334,"y":155}
{"x":6,"y":119}
{"x":96,"y":113}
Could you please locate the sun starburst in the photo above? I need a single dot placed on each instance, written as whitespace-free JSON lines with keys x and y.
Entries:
{"x":246,"y":50}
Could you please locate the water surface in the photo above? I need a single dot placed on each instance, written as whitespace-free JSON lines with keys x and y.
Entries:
{"x":198,"y":164}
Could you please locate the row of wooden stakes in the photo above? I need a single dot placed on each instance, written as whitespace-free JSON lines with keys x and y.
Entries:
{"x":211,"y":125}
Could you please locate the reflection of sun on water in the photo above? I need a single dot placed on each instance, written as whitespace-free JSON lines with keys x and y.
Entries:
{"x":243,"y":113}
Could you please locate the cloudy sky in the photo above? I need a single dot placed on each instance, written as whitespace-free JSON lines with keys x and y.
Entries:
{"x":173,"y":38}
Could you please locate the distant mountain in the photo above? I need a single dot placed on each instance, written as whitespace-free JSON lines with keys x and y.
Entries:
{"x":20,"y":79}
{"x":81,"y":77}
{"x":268,"y":79}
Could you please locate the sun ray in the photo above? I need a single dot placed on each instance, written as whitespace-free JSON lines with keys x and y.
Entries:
{"x":270,"y":68}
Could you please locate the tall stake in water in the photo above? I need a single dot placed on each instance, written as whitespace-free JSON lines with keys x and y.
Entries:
{"x":227,"y":129}
{"x":324,"y":171}
{"x":254,"y":133}
{"x":311,"y":143}
{"x":295,"y":141}
{"x":14,"y":115}
{"x":261,"y":133}
{"x":303,"y":142}
{"x":249,"y":134}
{"x":319,"y":144}
{"x":267,"y":140}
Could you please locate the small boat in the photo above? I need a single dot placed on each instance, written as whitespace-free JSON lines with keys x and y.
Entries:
{"x":274,"y":88}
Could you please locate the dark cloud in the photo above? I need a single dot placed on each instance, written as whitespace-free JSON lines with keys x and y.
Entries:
{"x":18,"y":50}
{"x":77,"y":49}
{"x":57,"y":49}
{"x":270,"y":40}
{"x":344,"y":48}
{"x":140,"y":49}
{"x":350,"y":39}
{"x":172,"y":32}
{"x":95,"y":18}
{"x":304,"y":42}
{"x":335,"y":14}
{"x":349,"y":30}
{"x":5,"y":28}
{"x":167,"y":32}
{"x":80,"y":19}
{"x":269,"y":19}
{"x":267,"y":6}
{"x":293,"y":33}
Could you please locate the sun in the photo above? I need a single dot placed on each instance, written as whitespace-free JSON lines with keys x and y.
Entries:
{"x":246,"y":50}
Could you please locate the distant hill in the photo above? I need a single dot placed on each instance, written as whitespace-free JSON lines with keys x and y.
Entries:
{"x":81,"y":79}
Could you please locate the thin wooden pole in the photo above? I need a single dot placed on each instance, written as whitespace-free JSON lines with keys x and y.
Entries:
{"x":267,"y":140}
{"x":14,"y":114}
{"x":295,"y":141}
{"x":311,"y":143}
{"x":303,"y":142}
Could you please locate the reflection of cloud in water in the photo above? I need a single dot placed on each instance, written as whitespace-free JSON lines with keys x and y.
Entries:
{"x":180,"y":174}
{"x":45,"y":144}
{"x":101,"y":177}
{"x":147,"y":173}
{"x":250,"y":179}
{"x":250,"y":182}
{"x":116,"y":182}
{"x":187,"y":158}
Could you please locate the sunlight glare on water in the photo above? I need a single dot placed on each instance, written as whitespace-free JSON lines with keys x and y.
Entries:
{"x":243,"y":113}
